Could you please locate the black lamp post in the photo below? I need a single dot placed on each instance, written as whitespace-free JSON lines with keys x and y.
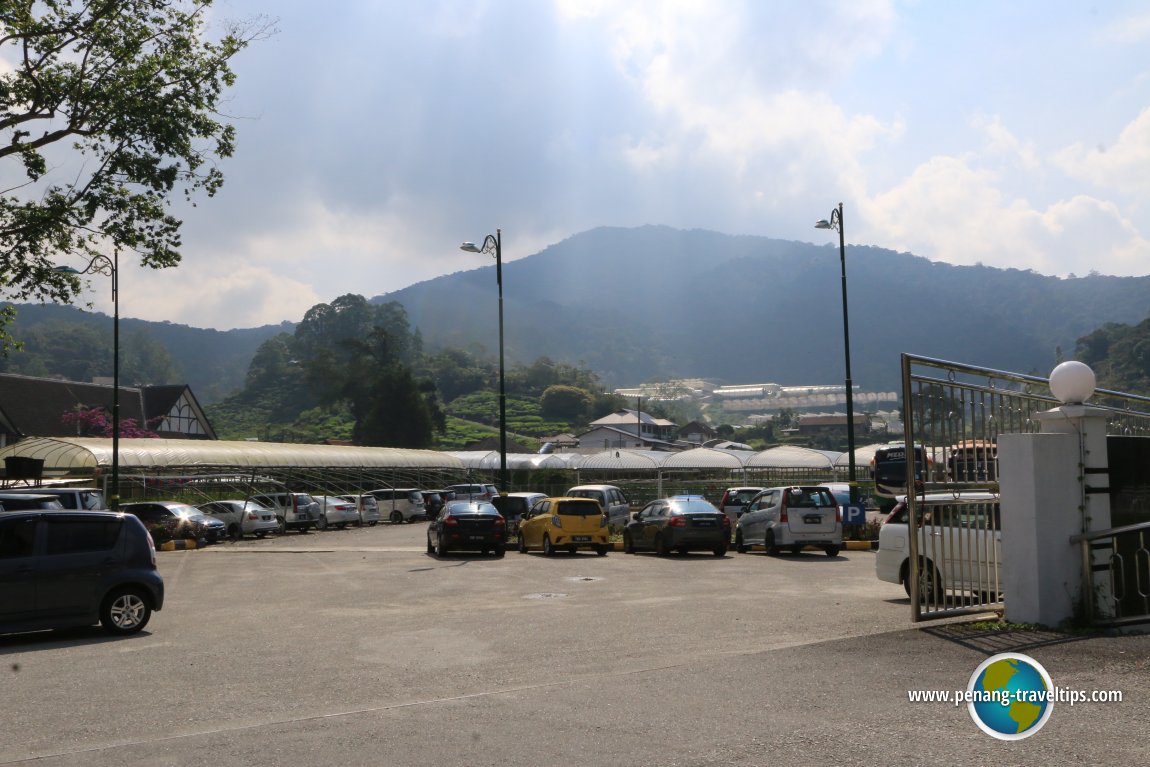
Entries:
{"x":494,"y":244}
{"x":110,"y":267}
{"x":836,"y":222}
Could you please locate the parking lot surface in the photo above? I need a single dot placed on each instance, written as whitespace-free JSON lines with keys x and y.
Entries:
{"x":355,"y":647}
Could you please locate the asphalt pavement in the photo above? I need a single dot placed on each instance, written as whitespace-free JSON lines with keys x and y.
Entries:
{"x":355,"y":647}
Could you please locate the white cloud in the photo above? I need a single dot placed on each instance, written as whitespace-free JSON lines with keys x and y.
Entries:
{"x":1129,"y":30}
{"x":1125,"y":166}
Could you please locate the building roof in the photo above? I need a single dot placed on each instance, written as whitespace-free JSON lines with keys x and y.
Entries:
{"x":35,"y":407}
{"x":629,"y":418}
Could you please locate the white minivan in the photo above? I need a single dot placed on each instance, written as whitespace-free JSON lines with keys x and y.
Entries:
{"x":400,"y":504}
{"x":77,"y":498}
{"x":791,"y":518}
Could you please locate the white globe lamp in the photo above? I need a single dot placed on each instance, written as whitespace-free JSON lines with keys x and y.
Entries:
{"x":1072,"y":382}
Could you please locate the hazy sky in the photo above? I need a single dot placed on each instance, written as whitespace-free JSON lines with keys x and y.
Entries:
{"x":375,"y":136}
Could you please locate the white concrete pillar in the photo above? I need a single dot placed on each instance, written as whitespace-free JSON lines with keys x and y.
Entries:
{"x":1055,"y":485}
{"x":1041,"y":570}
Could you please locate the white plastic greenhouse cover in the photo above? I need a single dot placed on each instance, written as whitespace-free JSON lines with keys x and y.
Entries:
{"x":622,"y":459}
{"x":707,"y":458}
{"x":488,"y":460}
{"x":789,"y":457}
{"x":91,"y":452}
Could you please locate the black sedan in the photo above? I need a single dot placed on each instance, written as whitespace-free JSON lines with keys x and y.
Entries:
{"x":467,"y":526}
{"x":167,"y":520}
{"x":678,"y":524}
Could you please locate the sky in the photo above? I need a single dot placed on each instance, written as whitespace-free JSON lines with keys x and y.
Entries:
{"x":376,"y":136}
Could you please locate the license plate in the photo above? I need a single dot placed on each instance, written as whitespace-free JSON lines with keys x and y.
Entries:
{"x":475,"y":537}
{"x":704,"y":523}
{"x":813,"y":519}
{"x":581,"y":538}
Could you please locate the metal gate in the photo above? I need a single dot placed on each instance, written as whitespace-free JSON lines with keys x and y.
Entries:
{"x":955,"y":414}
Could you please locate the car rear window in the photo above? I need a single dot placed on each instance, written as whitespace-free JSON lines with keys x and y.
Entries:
{"x":73,"y":536}
{"x":510,"y":504}
{"x":588,"y":508}
{"x":809,"y":498}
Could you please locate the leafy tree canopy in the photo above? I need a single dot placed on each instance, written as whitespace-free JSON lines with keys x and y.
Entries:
{"x":107,"y":108}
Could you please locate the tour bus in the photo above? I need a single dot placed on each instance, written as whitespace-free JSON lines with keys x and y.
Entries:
{"x":888,"y":468}
{"x":973,"y":460}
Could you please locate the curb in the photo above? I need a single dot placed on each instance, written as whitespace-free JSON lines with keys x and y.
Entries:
{"x":178,"y":545}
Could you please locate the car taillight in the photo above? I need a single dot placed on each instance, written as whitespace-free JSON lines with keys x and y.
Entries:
{"x":450,"y":520}
{"x":783,"y":514}
{"x":603,"y":521}
{"x":677,"y":522}
{"x":253,"y":515}
{"x":500,"y":521}
{"x":726,"y":522}
{"x":839,"y":514}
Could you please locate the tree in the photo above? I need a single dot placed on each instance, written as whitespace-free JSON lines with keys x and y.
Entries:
{"x":106,"y":109}
{"x":565,"y":403}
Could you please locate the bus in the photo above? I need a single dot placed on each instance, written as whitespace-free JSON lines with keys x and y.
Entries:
{"x":973,"y":460}
{"x":888,"y":468}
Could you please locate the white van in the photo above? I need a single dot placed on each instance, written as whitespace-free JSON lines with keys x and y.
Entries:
{"x":400,"y":504}
{"x":611,"y":498}
{"x":78,"y":498}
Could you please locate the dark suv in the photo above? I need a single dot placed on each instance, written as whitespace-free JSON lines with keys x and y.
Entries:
{"x":60,"y":569}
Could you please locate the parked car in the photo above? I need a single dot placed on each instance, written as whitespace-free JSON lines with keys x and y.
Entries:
{"x":334,"y":510}
{"x":400,"y":504}
{"x":78,"y":498}
{"x":27,"y":501}
{"x":564,"y":523}
{"x":294,"y":511}
{"x":611,"y":498}
{"x":678,"y":524}
{"x":473,"y":492}
{"x":959,"y":542}
{"x":467,"y":525}
{"x":176,"y":520}
{"x":791,"y":518}
{"x":513,"y":507}
{"x":367,"y":509}
{"x":62,"y":569}
{"x":434,"y":500}
{"x":735,"y":499}
{"x":242,"y":518}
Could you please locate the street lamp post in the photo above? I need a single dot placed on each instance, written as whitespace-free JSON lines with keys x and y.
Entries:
{"x":110,"y":267}
{"x":836,"y":222}
{"x":494,"y":244}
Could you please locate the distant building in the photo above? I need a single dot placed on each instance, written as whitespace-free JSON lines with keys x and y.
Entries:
{"x":831,"y":423}
{"x":630,"y":429}
{"x":35,"y":407}
{"x":697,"y":433}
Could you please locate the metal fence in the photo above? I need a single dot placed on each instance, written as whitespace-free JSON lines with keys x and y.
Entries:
{"x":956,"y":413}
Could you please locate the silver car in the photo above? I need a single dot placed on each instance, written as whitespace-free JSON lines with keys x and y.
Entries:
{"x":242,"y":517}
{"x":368,"y":508}
{"x":335,"y":511}
{"x":791,"y":518}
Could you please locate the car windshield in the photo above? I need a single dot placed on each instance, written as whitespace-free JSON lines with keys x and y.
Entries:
{"x":578,"y":508}
{"x":472,"y":508}
{"x":180,"y":510}
{"x":694,"y":506}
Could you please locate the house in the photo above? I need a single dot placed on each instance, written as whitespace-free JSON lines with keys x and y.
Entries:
{"x":697,"y":433}
{"x":37,"y":407}
{"x":631,"y":429}
{"x":831,"y":423}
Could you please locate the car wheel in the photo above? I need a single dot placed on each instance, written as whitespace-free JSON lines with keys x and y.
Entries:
{"x":430,"y":546}
{"x":832,"y":551}
{"x":396,"y":517}
{"x":235,"y":532}
{"x":661,"y":546}
{"x":601,"y":551}
{"x":719,"y":551}
{"x":261,"y":534}
{"x":500,"y":551}
{"x":572,"y":549}
{"x":373,"y":523}
{"x":125,"y":611}
{"x":628,"y":544}
{"x":441,"y":547}
{"x":321,"y":523}
{"x":548,"y":549}
{"x":741,"y":547}
{"x":522,"y":545}
{"x":797,"y":549}
{"x":769,"y":542}
{"x":929,"y":582}
{"x":283,"y":525}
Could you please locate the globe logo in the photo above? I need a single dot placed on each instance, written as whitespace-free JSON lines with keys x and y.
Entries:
{"x":1011,"y":696}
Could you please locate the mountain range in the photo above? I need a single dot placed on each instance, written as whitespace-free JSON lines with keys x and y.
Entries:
{"x":654,"y":303}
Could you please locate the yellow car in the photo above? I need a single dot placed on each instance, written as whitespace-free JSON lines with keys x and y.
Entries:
{"x":564,"y":523}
